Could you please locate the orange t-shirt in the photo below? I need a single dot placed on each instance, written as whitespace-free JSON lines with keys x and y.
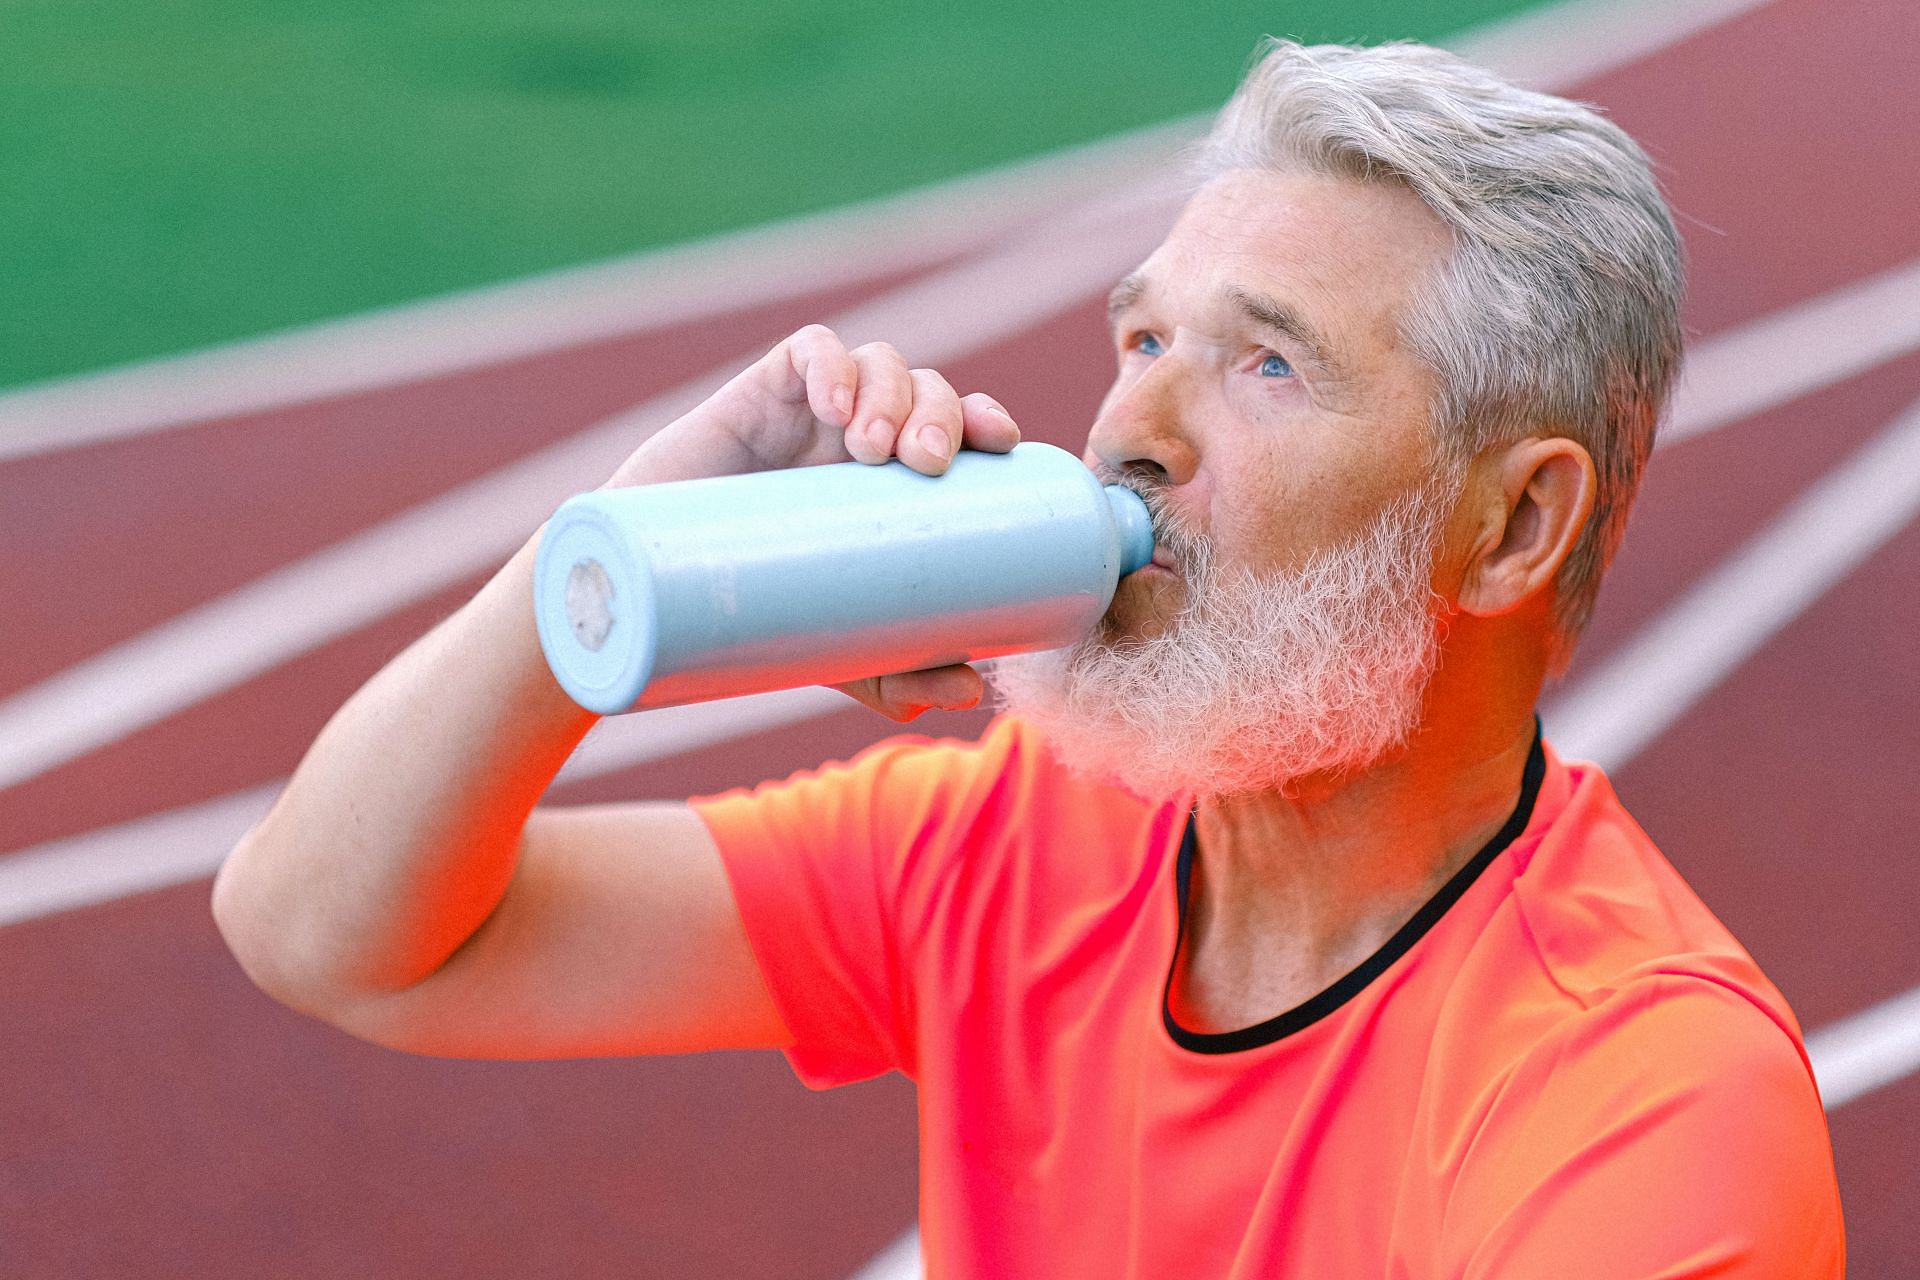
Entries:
{"x":1563,"y":1066}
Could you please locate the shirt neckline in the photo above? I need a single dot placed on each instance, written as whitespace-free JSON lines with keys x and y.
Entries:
{"x":1316,"y":1007}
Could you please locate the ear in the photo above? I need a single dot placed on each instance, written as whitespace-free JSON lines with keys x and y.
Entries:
{"x":1536,"y":498}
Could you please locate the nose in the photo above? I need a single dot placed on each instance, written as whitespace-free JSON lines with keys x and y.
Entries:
{"x":1140,"y":426}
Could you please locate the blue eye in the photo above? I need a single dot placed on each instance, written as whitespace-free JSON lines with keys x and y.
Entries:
{"x":1148,"y":345}
{"x":1275,"y":367}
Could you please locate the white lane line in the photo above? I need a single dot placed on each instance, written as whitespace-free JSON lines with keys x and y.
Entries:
{"x":188,"y":843}
{"x":1636,"y":692}
{"x":470,"y":529}
{"x":1799,"y":350}
{"x":153,"y":852}
{"x":1874,"y":1047}
{"x":487,"y":326}
{"x":1560,"y":45}
{"x":898,"y":1261}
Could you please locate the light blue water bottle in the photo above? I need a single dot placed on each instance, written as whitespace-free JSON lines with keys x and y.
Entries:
{"x":670,"y":593}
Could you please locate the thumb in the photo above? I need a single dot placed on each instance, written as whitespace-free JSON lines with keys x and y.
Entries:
{"x":906,"y":694}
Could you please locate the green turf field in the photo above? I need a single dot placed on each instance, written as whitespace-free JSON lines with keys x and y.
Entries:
{"x":182,"y":173}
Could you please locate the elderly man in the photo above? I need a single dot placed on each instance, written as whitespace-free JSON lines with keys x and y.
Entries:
{"x":1264,"y":936}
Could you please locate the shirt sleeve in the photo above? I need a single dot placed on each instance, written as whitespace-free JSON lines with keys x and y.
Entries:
{"x":1673,"y":1130}
{"x":830,"y":870}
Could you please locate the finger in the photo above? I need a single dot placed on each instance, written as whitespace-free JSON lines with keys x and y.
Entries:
{"x":909,"y":693}
{"x":881,"y":402}
{"x":827,"y":370}
{"x":932,"y":430}
{"x":986,"y":425}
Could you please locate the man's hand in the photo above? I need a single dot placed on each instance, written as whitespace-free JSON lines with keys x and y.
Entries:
{"x":811,"y":401}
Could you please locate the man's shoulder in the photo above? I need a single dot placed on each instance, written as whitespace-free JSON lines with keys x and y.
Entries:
{"x":1601,"y":908}
{"x":1601,"y":970}
{"x":1613,"y":1021}
{"x":1674,"y":1103}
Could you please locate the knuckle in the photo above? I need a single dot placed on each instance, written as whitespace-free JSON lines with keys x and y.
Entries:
{"x":885,"y":699}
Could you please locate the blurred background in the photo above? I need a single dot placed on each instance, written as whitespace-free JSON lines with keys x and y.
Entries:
{"x":312,"y":313}
{"x":181,"y":174}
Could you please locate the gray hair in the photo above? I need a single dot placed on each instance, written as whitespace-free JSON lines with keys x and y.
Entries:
{"x":1558,"y":309}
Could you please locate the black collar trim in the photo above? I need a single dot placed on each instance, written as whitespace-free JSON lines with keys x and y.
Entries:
{"x":1305,"y":1015}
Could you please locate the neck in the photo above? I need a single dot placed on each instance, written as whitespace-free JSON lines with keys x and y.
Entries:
{"x":1294,"y":888}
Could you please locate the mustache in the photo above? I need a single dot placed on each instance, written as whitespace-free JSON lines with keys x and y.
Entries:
{"x":1186,"y":545}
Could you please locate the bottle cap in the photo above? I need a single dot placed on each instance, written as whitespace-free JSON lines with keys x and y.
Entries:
{"x":594,"y":607}
{"x":1136,"y":528}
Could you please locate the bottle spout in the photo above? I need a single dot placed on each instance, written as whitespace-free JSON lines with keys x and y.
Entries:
{"x":1135,"y":526}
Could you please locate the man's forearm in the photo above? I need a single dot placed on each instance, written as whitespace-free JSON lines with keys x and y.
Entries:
{"x":399,"y":836}
{"x":399,"y":831}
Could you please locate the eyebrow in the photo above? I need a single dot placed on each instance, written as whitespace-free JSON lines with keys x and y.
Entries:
{"x":1266,"y":312}
{"x":1281,"y":318}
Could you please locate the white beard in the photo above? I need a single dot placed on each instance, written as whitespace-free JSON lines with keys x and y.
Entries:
{"x":1258,"y":681}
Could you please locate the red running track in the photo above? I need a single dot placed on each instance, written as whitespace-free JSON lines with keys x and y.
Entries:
{"x":164,"y":1119}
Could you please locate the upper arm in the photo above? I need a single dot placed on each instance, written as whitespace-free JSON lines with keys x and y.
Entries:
{"x":1670,"y":1132}
{"x":618,"y":934}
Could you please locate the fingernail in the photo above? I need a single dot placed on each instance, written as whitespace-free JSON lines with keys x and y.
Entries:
{"x":880,"y":436}
{"x":843,"y":400}
{"x":935,"y":442}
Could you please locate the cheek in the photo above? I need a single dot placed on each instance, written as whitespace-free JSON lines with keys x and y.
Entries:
{"x":1250,"y":508}
{"x":1275,"y":444}
{"x":1273,"y":512}
{"x":1254,"y":403}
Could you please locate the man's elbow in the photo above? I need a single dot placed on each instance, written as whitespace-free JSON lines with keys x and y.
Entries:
{"x":266,"y":940}
{"x":290,"y":954}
